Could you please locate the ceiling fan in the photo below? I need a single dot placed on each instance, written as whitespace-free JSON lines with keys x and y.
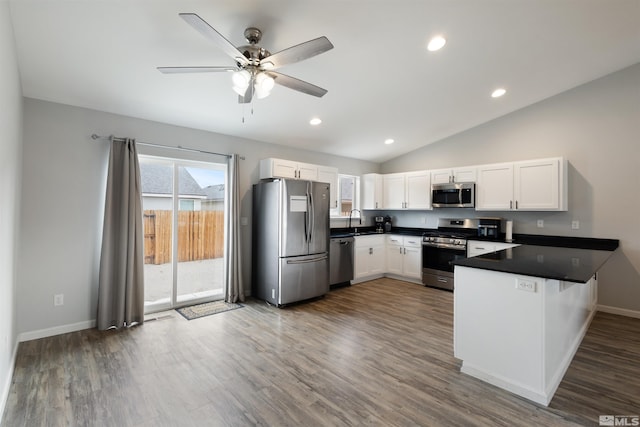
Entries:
{"x":253,"y":73}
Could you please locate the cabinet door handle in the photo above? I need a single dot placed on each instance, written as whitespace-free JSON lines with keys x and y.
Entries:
{"x":510,"y":204}
{"x":400,"y":251}
{"x":370,"y":251}
{"x":405,"y":251}
{"x":516,"y":204}
{"x":376,"y":205}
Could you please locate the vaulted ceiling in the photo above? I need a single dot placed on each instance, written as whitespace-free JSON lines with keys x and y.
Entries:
{"x":382,"y":82}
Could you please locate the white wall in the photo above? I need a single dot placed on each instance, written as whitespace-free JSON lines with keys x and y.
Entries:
{"x":596,"y":127}
{"x":10,"y":170}
{"x":63,"y":202}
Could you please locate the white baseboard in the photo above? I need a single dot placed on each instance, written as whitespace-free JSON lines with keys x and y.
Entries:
{"x":619,"y":311}
{"x":7,"y":385}
{"x":57,"y":330}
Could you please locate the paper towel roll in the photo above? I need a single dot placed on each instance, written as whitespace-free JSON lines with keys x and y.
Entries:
{"x":509,"y":231}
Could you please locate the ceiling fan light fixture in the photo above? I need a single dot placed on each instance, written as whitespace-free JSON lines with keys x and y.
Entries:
{"x":436,"y":43}
{"x":264,"y":84}
{"x":241,"y":78}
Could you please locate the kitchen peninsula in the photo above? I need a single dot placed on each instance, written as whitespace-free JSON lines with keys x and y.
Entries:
{"x":520,"y":314}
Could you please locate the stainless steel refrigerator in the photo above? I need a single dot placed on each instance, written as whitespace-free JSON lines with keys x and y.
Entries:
{"x":290,"y":240}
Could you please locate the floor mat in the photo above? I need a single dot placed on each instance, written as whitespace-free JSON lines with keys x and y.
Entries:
{"x":206,"y":309}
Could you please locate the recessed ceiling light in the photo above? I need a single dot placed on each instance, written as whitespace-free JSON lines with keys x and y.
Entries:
{"x":315,"y":121}
{"x":436,"y":43}
{"x":389,"y":141}
{"x":498,"y":93}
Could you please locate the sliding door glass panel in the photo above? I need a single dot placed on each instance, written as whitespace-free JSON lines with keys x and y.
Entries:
{"x":184,"y":231}
{"x":200,"y":232}
{"x":156,"y":177}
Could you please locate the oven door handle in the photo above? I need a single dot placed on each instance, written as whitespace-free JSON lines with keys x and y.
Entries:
{"x":445,"y":246}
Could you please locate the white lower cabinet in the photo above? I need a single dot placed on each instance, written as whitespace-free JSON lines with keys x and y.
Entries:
{"x":370,"y":259}
{"x":404,"y":256}
{"x":392,"y":255}
{"x":480,"y":247}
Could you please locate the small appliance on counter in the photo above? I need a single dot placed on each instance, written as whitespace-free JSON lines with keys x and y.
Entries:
{"x":490,"y":227}
{"x":379,"y":220}
{"x":387,"y":224}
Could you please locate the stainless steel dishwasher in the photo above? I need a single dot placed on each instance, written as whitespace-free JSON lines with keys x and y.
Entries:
{"x":341,"y":260}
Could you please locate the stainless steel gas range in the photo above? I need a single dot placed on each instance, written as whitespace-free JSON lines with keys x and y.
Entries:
{"x":443,"y":246}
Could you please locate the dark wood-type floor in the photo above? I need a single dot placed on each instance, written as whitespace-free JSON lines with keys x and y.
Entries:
{"x":377,"y":353}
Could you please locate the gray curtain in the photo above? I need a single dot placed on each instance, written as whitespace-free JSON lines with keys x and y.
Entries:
{"x":121,"y":282}
{"x":234,"y":290}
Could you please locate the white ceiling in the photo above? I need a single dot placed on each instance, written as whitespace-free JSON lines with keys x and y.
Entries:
{"x":382,"y":82}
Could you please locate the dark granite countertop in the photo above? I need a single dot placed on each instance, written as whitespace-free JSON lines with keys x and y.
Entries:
{"x":549,"y":262}
{"x":363,"y":231}
{"x":558,"y":241}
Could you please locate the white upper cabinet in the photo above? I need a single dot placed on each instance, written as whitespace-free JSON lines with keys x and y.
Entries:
{"x":393,"y":191}
{"x":540,"y":185}
{"x":371,"y":195}
{"x":445,"y":176}
{"x":418,"y":190}
{"x":535,"y":185}
{"x":410,"y":190}
{"x":279,"y":168}
{"x":330,"y":175}
{"x":494,"y":189}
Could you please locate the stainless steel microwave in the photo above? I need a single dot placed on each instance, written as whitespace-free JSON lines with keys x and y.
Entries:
{"x":453,"y":195}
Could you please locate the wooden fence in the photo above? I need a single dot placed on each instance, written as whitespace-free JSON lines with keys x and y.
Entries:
{"x":200,"y":235}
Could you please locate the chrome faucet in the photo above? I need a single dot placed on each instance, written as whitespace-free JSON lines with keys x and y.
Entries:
{"x":359,"y":218}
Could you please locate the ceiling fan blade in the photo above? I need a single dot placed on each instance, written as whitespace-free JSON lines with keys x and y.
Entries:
{"x":296,"y":84}
{"x":209,"y":32}
{"x":176,"y":70}
{"x":297,"y":53}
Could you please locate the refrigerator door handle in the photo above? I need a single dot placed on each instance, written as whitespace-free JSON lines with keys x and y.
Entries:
{"x":307,"y":220}
{"x":306,"y":261}
{"x":312,"y":217}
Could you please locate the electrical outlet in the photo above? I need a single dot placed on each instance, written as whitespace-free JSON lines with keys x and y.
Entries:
{"x":525,"y":285}
{"x":58,"y":299}
{"x":541,"y":223}
{"x":575,"y":225}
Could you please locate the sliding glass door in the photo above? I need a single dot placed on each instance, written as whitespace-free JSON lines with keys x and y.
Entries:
{"x":184,"y":237}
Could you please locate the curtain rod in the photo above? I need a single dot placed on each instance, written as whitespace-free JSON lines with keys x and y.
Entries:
{"x":95,"y":137}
